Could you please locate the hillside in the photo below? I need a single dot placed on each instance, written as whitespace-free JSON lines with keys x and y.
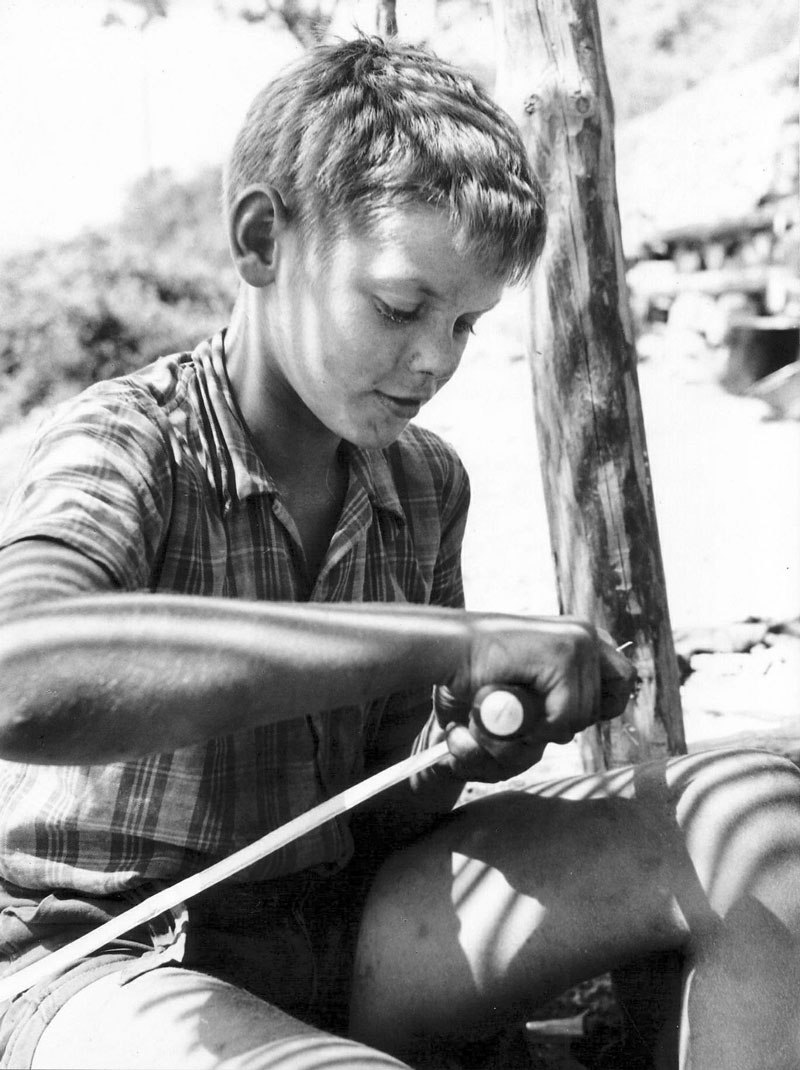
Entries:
{"x":657,"y":48}
{"x":712,"y":152}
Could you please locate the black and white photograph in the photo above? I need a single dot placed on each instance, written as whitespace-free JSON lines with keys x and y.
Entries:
{"x":399,"y":535}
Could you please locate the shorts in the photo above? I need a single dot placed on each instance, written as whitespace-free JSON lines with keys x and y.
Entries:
{"x":289,"y":941}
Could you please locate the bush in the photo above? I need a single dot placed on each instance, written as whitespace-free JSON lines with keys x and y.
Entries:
{"x":103,"y":304}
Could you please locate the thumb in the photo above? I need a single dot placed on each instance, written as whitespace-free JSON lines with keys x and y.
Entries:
{"x":618,"y":680}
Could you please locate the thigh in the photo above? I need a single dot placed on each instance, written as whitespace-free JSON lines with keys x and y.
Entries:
{"x":521,"y":894}
{"x":176,"y":1019}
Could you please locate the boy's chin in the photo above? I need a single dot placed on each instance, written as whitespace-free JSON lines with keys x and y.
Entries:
{"x":377,"y":438}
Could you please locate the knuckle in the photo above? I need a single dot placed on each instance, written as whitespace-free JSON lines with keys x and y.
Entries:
{"x":561,"y":733}
{"x":578,"y":639}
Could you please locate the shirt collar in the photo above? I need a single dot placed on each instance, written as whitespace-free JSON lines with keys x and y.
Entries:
{"x":241,"y":473}
{"x":371,"y":468}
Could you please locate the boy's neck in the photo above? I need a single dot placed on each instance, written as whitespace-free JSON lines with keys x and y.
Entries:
{"x":300,"y":454}
{"x":294,"y":448}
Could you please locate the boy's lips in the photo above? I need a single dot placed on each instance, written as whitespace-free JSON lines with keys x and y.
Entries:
{"x":404,"y":406}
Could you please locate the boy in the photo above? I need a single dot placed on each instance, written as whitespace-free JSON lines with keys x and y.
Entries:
{"x":232,"y":581}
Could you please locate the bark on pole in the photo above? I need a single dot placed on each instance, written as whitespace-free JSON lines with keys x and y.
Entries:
{"x":580,"y":342}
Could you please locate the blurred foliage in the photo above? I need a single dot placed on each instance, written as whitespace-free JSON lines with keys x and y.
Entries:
{"x":103,"y":304}
{"x":307,"y":20}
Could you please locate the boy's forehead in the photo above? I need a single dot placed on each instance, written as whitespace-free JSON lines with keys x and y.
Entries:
{"x":407,"y":227}
{"x":419,"y":244}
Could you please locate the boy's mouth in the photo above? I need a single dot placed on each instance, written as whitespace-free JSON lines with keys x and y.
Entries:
{"x":404,"y":407}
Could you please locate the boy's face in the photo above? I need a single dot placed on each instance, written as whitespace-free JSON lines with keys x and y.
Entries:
{"x":366,"y":332}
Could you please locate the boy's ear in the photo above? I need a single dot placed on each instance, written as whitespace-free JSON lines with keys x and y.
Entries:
{"x":256,"y":222}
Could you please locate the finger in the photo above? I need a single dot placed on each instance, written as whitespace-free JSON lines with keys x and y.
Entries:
{"x":618,"y":679}
{"x":469,"y":760}
{"x":587,"y":675}
{"x":511,"y":755}
{"x":614,"y":661}
{"x":449,"y":707}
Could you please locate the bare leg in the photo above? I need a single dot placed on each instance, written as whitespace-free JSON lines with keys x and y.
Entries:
{"x":174,"y":1019}
{"x":523,"y":894}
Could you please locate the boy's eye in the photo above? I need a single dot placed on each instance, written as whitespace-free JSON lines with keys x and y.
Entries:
{"x":396,"y":315}
{"x":464,"y":327}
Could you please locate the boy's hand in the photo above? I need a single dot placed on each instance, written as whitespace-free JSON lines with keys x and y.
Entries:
{"x":575,"y":676}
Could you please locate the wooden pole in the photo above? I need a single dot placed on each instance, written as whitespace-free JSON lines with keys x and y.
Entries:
{"x":386,"y":18}
{"x":590,"y":429}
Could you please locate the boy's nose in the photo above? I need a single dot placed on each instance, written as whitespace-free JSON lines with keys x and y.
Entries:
{"x":436,"y":355}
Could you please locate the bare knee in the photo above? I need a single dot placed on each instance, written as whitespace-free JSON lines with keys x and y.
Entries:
{"x":740,"y":815}
{"x":507,"y":905}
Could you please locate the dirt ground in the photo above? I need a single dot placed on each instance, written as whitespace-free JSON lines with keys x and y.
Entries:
{"x":726,"y":479}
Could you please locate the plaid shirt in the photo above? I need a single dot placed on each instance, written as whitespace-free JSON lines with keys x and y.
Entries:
{"x":154,"y":477}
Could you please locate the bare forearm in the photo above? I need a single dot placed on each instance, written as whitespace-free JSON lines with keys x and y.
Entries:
{"x":90,"y":677}
{"x":108,"y":677}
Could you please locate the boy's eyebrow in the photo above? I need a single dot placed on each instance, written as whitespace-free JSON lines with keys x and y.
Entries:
{"x":428,"y":291}
{"x":483,"y":311}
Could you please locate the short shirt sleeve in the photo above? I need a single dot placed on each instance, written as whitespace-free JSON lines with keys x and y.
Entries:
{"x":99,"y":480}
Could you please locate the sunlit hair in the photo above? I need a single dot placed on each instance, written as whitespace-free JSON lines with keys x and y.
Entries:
{"x":355,"y":129}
